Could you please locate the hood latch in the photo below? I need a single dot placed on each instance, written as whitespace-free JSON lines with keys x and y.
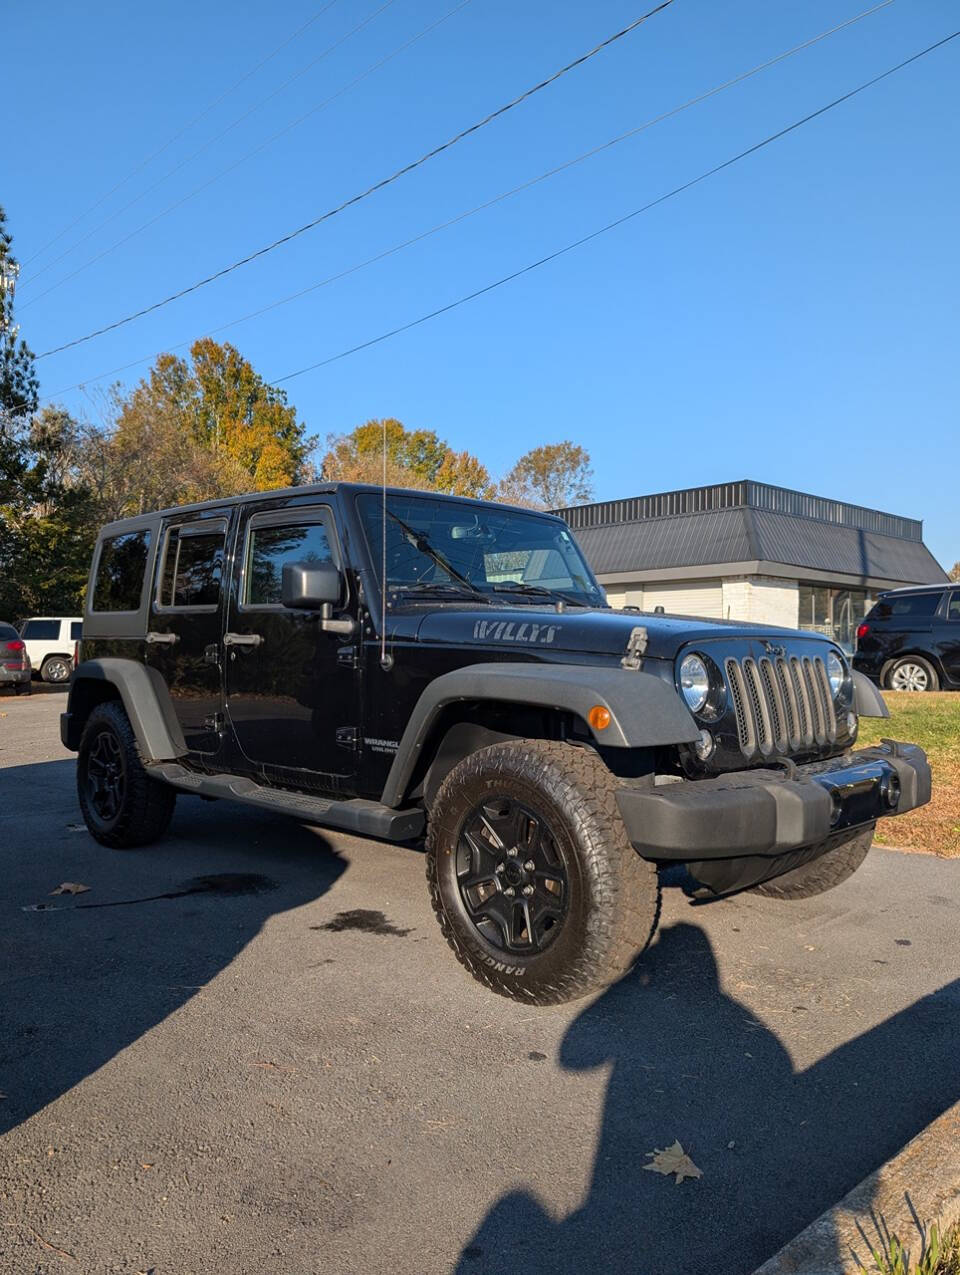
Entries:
{"x":636,"y":649}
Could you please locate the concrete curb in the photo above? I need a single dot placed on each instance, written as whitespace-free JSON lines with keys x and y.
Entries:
{"x":919,"y":1186}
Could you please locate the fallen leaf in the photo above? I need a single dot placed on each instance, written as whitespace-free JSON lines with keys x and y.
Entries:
{"x":70,"y":887}
{"x":673,"y":1160}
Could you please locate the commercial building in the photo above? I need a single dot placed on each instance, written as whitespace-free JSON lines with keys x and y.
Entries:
{"x":751,"y":551}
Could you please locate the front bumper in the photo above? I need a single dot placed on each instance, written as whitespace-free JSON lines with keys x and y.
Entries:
{"x":773,"y":811}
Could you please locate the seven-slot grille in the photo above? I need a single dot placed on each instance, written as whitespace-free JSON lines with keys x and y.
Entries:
{"x":783,"y":704}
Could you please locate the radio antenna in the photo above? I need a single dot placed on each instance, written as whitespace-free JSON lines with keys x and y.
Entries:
{"x":386,"y":661}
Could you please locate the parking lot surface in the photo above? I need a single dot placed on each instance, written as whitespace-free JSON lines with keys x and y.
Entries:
{"x":247,"y":1049}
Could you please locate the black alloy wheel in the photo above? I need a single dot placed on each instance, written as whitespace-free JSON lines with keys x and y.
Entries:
{"x":106,"y":775}
{"x":511,"y":877}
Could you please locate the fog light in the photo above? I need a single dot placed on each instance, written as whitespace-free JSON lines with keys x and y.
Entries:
{"x":704,"y":745}
{"x":890,"y":788}
{"x":836,"y":803}
{"x":852,"y":723}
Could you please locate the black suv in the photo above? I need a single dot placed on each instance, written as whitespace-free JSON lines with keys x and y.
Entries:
{"x":910,"y":640}
{"x":392,"y":661}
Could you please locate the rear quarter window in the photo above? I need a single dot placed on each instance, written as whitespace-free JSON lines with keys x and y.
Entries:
{"x":76,"y":631}
{"x":8,"y":633}
{"x":909,"y":606}
{"x":120,"y":572}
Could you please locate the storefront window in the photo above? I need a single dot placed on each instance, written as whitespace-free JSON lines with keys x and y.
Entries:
{"x":833,"y":612}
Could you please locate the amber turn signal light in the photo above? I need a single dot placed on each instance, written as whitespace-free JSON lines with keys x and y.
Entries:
{"x":599,"y":717}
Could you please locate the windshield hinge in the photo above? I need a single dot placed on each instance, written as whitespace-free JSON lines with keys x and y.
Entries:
{"x":636,"y":649}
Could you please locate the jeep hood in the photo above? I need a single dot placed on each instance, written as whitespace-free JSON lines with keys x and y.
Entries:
{"x":577,"y":631}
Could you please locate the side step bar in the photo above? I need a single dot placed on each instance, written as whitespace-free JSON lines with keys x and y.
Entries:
{"x":365,"y":818}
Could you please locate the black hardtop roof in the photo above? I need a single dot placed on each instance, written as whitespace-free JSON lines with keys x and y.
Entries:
{"x":315,"y":489}
{"x":918,"y":588}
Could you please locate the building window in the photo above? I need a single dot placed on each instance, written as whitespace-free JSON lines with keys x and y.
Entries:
{"x":834,"y":612}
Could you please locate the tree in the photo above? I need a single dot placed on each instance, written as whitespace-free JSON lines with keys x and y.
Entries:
{"x":415,"y":458}
{"x":550,"y":477}
{"x":18,"y":381}
{"x":194,"y":433}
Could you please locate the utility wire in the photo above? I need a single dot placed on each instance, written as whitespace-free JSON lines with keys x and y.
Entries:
{"x":260,"y":147}
{"x":620,"y":221}
{"x":489,"y":203}
{"x":181,"y":131}
{"x":331,"y":48}
{"x":377,"y":186}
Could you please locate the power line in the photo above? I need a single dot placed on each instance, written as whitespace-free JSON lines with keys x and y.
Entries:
{"x":377,"y":186}
{"x":183,"y":163}
{"x":180,"y":132}
{"x":257,"y":149}
{"x":496,"y":199}
{"x":620,"y":221}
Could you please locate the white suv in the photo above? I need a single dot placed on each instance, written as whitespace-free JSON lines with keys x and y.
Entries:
{"x":50,"y":643}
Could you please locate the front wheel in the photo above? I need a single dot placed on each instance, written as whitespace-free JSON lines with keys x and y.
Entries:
{"x":536,"y":887}
{"x":831,"y":869}
{"x":121,"y":805}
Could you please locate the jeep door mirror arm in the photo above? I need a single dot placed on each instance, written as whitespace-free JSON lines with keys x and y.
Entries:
{"x":317,"y":589}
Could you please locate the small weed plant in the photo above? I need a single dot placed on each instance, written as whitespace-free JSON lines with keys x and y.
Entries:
{"x":941,"y":1255}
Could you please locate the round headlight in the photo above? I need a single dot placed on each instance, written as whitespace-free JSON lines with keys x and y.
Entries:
{"x":694,"y":682}
{"x":836,"y":672}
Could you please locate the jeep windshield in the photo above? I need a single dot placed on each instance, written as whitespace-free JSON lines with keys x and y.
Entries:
{"x":439,"y":548}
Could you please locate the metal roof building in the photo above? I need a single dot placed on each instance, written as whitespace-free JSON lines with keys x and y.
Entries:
{"x":752,"y":551}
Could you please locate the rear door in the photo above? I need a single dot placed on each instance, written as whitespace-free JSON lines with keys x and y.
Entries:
{"x":186,"y":623}
{"x":292,"y":694}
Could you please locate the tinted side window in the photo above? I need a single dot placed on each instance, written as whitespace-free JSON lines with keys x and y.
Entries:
{"x":270,"y":548}
{"x":123,"y":561}
{"x":42,"y":630}
{"x":8,"y":633}
{"x":76,"y":631}
{"x":193,"y":566}
{"x":953,"y":607}
{"x":912,"y":605}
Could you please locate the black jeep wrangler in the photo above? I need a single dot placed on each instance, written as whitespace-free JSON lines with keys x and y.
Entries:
{"x":389,"y":662}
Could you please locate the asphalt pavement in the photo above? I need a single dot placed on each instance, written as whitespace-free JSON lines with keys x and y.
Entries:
{"x":247,"y":1050}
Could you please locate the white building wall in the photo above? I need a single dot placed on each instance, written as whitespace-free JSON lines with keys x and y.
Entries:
{"x":756,"y":599}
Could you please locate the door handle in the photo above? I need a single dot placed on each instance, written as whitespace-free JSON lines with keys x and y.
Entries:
{"x":162,"y":639}
{"x":242,"y":639}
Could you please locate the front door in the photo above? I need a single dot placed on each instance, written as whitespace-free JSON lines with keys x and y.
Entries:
{"x":291,"y":687}
{"x":946,"y":637}
{"x":186,"y":624}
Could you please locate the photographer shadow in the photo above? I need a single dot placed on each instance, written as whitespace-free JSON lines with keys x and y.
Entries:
{"x":776,"y":1146}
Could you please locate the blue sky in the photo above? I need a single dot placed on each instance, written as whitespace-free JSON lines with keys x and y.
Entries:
{"x":792,"y":320}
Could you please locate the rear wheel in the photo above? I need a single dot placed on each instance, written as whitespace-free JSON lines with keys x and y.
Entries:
{"x":122,"y":806}
{"x":912,"y":674}
{"x":819,"y":875}
{"x":55,"y":668}
{"x":536,"y":887}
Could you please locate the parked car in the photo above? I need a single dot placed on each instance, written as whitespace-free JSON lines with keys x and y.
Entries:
{"x":386,"y":662}
{"x":14,"y":660}
{"x":50,"y":643}
{"x":910,"y":640}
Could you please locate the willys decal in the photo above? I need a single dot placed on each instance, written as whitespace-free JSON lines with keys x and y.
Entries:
{"x":511,"y":631}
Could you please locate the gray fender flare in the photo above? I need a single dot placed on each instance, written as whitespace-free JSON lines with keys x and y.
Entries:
{"x":867,"y":699}
{"x":644,"y":710}
{"x":145,"y":698}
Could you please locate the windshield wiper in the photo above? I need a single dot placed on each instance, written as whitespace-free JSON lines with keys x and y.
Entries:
{"x":423,"y":545}
{"x":537,"y":591}
{"x":426,"y":587}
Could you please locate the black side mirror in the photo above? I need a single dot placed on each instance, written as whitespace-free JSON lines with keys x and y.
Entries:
{"x":315,"y":588}
{"x":310,"y":588}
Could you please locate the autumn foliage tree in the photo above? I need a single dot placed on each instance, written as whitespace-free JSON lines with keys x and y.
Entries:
{"x":415,"y":458}
{"x":550,"y":477}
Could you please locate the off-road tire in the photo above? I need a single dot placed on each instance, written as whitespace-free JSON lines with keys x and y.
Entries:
{"x":56,"y":669}
{"x":613,"y":895}
{"x":933,"y":682}
{"x":146,"y":806}
{"x":819,"y":875}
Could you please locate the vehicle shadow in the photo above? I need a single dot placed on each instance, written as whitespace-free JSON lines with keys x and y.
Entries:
{"x":776,"y":1145}
{"x":83,"y":976}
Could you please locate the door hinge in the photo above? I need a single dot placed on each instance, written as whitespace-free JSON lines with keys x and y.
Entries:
{"x":347,"y":656}
{"x":348,"y":737}
{"x":214,"y":722}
